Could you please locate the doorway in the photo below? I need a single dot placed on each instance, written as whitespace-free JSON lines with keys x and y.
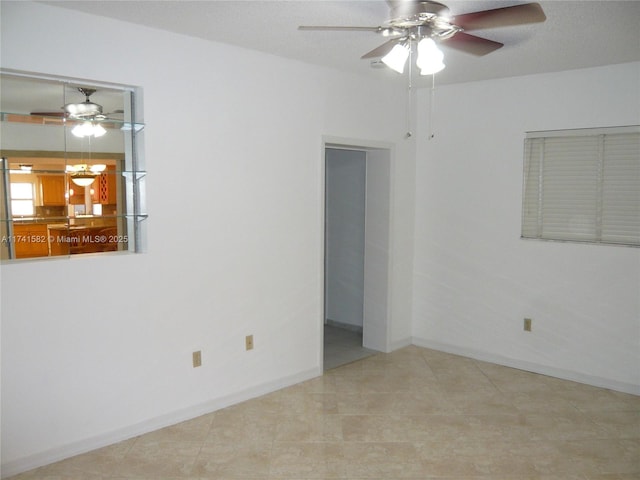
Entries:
{"x":356,"y":263}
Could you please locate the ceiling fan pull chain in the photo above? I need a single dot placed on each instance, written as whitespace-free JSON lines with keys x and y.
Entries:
{"x":431,"y":102}
{"x":409,"y":91}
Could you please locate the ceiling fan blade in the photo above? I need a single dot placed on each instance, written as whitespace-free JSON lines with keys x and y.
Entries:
{"x":383,"y":49}
{"x":501,"y":17}
{"x":472,"y":44}
{"x":49,"y":114}
{"x":338,"y":28}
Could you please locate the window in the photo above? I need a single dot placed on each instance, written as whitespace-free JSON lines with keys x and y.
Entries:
{"x":583,"y":185}
{"x":22,"y":199}
{"x":72,"y":177}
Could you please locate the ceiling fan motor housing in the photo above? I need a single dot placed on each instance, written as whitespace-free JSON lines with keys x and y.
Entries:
{"x":86,"y":108}
{"x":421,"y":19}
{"x":410,"y":14}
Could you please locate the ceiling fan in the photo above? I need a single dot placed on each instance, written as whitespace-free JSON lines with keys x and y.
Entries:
{"x":427,"y":23}
{"x":86,"y":109}
{"x":86,"y":112}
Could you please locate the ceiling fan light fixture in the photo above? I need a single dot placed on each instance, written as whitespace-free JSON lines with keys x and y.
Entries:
{"x":88,"y":129}
{"x":430,"y":57}
{"x":99,"y":130}
{"x":397,"y":57}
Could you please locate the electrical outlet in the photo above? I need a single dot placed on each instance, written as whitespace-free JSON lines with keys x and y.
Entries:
{"x":527,"y":324}
{"x":248,"y":342}
{"x":197,"y":359}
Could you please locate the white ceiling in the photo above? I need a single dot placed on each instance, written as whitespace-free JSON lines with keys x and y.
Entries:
{"x":577,"y":34}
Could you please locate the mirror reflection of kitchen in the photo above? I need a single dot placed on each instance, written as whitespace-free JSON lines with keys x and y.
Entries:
{"x":62,"y":189}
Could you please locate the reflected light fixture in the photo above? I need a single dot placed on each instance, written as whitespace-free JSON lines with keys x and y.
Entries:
{"x":23,"y":169}
{"x":86,"y":112}
{"x":88,"y":129}
{"x":83,"y":175}
{"x":83,"y":179}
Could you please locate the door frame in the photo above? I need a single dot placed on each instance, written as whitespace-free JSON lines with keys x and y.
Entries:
{"x":379,"y":261}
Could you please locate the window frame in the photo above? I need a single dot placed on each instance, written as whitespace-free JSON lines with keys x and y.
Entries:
{"x":30,"y":198}
{"x":589,"y":182}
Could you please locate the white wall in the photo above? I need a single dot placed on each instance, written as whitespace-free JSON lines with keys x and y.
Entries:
{"x":475,"y":279}
{"x":234,"y":250}
{"x":344,"y":248}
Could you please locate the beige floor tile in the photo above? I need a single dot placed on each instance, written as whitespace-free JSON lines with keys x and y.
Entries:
{"x":427,"y":402}
{"x":367,"y":403}
{"x":617,"y":424}
{"x":614,"y":476}
{"x":587,"y":457}
{"x":414,"y":414}
{"x":547,"y":401}
{"x":375,"y":428}
{"x":309,"y":428}
{"x":370,"y":382}
{"x":240,"y":427}
{"x":392,"y":460}
{"x":567,"y":426}
{"x":304,"y":403}
{"x":407,"y":403}
{"x":414,"y":364}
{"x":233,"y":460}
{"x":510,"y":380}
{"x":39,"y":474}
{"x":194,"y":430}
{"x":324,"y":384}
{"x":88,"y":465}
{"x":480,"y":429}
{"x":158,"y":466}
{"x":307,"y":460}
{"x":149,"y":446}
{"x":589,"y":399}
{"x":475,"y":458}
{"x":478,"y":402}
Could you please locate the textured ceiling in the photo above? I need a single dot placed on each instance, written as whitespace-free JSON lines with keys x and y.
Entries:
{"x":577,"y":34}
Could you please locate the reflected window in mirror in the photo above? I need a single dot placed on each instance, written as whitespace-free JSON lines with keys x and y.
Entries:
{"x":22,"y":199}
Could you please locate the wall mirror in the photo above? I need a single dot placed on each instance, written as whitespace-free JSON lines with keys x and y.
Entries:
{"x":72,"y":172}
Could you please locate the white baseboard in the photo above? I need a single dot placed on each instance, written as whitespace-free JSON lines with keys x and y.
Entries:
{"x":344,"y":326}
{"x":21,"y":465}
{"x":530,"y":366}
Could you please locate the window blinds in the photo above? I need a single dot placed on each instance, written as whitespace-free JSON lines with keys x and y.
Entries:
{"x":583,"y":185}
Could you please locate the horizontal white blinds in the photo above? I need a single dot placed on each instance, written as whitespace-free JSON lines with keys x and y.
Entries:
{"x":583,"y":186}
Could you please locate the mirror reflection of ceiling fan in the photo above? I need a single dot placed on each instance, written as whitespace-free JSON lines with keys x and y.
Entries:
{"x":428,"y":23}
{"x":87,"y":112}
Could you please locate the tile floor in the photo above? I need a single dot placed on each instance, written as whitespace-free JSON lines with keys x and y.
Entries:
{"x":412,"y":414}
{"x":343,"y":346}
